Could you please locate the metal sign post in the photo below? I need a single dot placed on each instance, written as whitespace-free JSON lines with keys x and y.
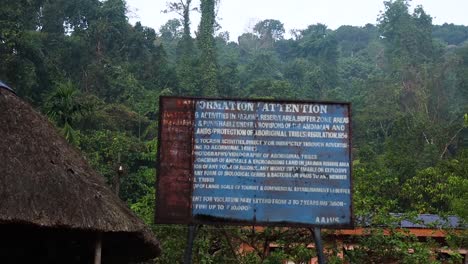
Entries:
{"x":192,"y":232}
{"x":254,"y":162}
{"x":319,"y":245}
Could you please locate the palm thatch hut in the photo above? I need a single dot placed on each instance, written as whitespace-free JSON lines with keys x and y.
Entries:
{"x":53,"y":206}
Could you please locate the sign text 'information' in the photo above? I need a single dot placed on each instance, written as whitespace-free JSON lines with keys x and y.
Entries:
{"x":278,"y":163}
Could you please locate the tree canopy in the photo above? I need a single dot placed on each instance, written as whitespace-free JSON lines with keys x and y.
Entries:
{"x":98,"y":78}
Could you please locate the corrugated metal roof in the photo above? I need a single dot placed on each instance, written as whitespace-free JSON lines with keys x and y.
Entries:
{"x":433,"y":221}
{"x":4,"y":86}
{"x":419,"y":221}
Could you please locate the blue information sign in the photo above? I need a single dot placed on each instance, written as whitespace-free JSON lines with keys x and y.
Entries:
{"x":272,"y":162}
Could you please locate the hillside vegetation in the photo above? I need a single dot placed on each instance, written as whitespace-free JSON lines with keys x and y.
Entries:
{"x":98,"y":78}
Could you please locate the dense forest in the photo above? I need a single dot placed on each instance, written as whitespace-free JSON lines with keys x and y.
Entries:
{"x":98,"y":79}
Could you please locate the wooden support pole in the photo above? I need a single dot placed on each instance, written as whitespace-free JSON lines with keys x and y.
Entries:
{"x":98,"y":249}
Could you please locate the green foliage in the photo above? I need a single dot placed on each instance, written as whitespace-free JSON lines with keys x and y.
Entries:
{"x":173,"y":240}
{"x":98,"y":78}
{"x":263,"y":88}
{"x":396,"y":246}
{"x":450,"y":33}
{"x":104,"y":146}
{"x":144,"y":207}
{"x":427,"y":191}
{"x":353,"y":40}
{"x":170,"y":34}
{"x":63,"y":105}
{"x":206,"y":43}
{"x":269,"y":31}
{"x":408,"y":37}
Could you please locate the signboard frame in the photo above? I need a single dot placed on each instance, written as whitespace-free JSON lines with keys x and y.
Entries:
{"x":177,"y":209}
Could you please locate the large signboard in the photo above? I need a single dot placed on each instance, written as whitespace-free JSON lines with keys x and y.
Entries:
{"x":254,"y":162}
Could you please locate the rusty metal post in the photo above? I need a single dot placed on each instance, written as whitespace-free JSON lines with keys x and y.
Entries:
{"x":319,"y":246}
{"x":192,"y":232}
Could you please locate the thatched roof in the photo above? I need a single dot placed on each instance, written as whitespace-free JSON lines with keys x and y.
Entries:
{"x":48,"y":187}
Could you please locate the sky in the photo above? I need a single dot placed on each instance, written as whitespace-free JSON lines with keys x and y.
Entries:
{"x":240,"y":16}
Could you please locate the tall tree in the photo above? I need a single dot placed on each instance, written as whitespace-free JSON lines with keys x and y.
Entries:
{"x":408,"y":50}
{"x":206,"y":42}
{"x":269,"y":31}
{"x":21,"y":47}
{"x":318,"y":45}
{"x":183,"y":9}
{"x":64,"y":108}
{"x":169,"y":35}
{"x":185,"y":51}
{"x":110,"y":29}
{"x":408,"y":37}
